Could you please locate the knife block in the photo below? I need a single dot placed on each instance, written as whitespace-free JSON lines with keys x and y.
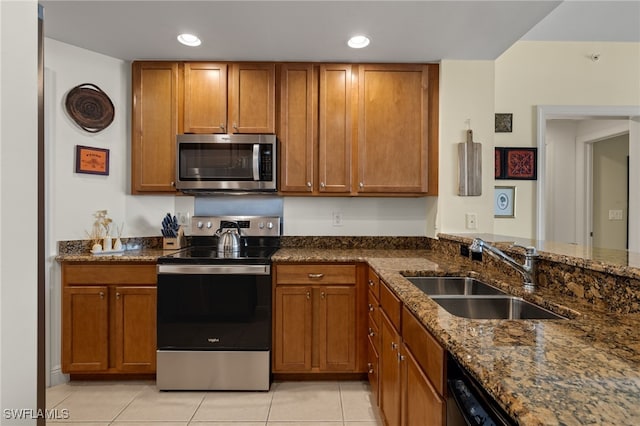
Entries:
{"x":174,"y":243}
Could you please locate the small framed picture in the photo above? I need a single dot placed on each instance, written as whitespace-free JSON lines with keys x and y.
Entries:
{"x":504,"y":123}
{"x":504,"y":202}
{"x":94,"y":161}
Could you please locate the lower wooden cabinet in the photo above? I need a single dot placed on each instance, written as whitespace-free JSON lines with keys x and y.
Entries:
{"x":108,"y":318}
{"x":315,"y":319}
{"x":408,"y":371}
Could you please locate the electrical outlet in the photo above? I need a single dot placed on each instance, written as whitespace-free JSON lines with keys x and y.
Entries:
{"x":471,"y":220}
{"x":337,"y":218}
{"x":615,"y":215}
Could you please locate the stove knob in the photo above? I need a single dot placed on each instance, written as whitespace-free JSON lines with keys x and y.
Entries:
{"x":270,"y":225}
{"x":199,"y":225}
{"x":209,"y":225}
{"x":261,"y":225}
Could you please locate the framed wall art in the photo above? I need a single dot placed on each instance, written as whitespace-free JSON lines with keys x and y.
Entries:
{"x":516,"y":163}
{"x":504,"y":201}
{"x":503,"y":123}
{"x":94,"y":161}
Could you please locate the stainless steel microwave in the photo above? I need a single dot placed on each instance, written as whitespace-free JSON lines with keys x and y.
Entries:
{"x":226,"y":163}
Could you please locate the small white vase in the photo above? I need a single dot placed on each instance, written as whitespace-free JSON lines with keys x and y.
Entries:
{"x":106,"y":244}
{"x":117,"y":244}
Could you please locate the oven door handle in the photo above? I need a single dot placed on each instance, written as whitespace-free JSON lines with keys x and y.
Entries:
{"x":215,"y":269}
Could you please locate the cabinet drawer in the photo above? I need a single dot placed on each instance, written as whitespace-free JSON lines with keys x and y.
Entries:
{"x":316,"y":274}
{"x":373,"y":332}
{"x":373,"y":282}
{"x":105,"y":273}
{"x":372,"y":371}
{"x":427,"y":351}
{"x":373,"y":307}
{"x":391,"y":305}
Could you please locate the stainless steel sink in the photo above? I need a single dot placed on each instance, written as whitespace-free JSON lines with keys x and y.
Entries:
{"x":494,"y":307}
{"x":453,"y":286}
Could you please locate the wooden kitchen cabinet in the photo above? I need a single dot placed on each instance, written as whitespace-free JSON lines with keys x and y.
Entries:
{"x":398,"y":129}
{"x":411,"y":369}
{"x":316,"y":128}
{"x":205,"y":97}
{"x":229,"y":98}
{"x":315,"y":319}
{"x":108,"y":318}
{"x":373,"y":333}
{"x":155,"y":124}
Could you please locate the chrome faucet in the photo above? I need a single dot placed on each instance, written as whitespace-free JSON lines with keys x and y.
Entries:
{"x":527,"y":270}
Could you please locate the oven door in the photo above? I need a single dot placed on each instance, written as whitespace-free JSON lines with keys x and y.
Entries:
{"x":214,"y":308}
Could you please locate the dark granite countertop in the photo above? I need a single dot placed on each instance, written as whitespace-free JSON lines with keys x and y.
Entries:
{"x":585,"y":370}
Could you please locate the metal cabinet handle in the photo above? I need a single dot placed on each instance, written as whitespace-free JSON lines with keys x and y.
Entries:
{"x":308,"y":295}
{"x":313,"y":276}
{"x":235,"y":127}
{"x":361,"y":185}
{"x":322,"y":185}
{"x":308,"y":184}
{"x":371,"y":308}
{"x":394,"y":346}
{"x":118,"y":295}
{"x":400,"y":357}
{"x":322,"y":294}
{"x":101,"y":295}
{"x":371,"y":332}
{"x":371,"y":283}
{"x":370,"y":367}
{"x":222,"y":126}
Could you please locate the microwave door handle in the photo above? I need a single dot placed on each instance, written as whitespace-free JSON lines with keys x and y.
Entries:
{"x":256,"y":161}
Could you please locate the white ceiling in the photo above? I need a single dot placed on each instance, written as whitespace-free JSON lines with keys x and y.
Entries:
{"x":400,"y":31}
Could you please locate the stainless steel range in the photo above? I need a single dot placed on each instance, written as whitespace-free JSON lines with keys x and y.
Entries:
{"x":214,"y":306}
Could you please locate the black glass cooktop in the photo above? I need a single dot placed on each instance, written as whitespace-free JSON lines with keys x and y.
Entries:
{"x":210,"y":255}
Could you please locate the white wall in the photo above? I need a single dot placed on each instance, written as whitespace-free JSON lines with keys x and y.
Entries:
{"x":466,"y":94}
{"x":557,"y":73}
{"x":18,"y":206}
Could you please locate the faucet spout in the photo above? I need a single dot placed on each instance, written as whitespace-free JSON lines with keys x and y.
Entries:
{"x":527,"y":270}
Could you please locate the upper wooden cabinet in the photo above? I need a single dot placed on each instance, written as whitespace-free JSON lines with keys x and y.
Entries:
{"x":205,"y":97}
{"x":155,"y":115}
{"x":229,"y":98}
{"x":397,"y":129}
{"x":316,"y":128}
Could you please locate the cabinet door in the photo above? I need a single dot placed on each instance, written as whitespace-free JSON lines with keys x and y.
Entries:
{"x":85,"y":329}
{"x":134,"y":337}
{"x":154,"y":128}
{"x":389,"y":372}
{"x":335,"y":129}
{"x":393,"y":128}
{"x":422,"y":406}
{"x":296,"y":128}
{"x":252,"y":98}
{"x":292,"y":328}
{"x":205,"y":97}
{"x":337,"y":321}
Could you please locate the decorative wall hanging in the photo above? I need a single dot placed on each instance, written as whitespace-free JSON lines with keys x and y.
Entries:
{"x":516,"y":163}
{"x":504,"y":123}
{"x":470,"y":167}
{"x":94,"y":161}
{"x":504,"y":204}
{"x":89,"y":107}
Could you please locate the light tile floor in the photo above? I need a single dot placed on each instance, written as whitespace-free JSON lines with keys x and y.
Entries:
{"x":286,"y":404}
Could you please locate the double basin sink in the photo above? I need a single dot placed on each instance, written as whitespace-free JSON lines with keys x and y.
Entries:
{"x":471,"y":298}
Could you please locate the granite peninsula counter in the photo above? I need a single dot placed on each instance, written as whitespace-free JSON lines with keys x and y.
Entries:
{"x":585,"y":370}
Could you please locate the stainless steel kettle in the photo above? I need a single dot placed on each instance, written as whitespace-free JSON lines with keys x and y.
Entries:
{"x":228,"y":239}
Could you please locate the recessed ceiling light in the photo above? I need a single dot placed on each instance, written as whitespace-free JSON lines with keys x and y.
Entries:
{"x":358,"y":42}
{"x":189,"y":40}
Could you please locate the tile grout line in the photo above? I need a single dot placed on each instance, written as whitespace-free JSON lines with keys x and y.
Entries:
{"x":113,"y":420}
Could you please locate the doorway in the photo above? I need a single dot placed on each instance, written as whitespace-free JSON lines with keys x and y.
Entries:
{"x":610,"y":189}
{"x":576,"y":210}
